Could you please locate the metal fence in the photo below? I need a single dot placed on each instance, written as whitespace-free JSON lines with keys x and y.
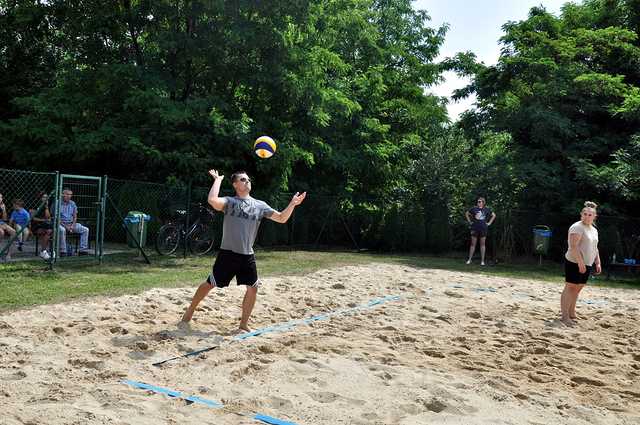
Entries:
{"x":322,"y":222}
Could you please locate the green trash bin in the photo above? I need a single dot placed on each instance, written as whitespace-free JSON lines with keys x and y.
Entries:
{"x":541,"y":239}
{"x":136,"y":222}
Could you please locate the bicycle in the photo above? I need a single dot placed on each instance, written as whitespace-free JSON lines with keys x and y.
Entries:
{"x":199,"y":237}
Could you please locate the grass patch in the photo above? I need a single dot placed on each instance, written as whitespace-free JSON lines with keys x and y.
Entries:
{"x":28,"y":284}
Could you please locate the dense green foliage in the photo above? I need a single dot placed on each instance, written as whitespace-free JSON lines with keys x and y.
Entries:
{"x":163,"y":90}
{"x":157,"y":89}
{"x":567,"y":91}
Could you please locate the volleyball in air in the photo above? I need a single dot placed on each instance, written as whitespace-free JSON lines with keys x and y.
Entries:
{"x":264,"y":147}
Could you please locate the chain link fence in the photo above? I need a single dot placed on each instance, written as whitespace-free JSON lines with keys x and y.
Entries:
{"x":322,"y":222}
{"x":25,"y":188}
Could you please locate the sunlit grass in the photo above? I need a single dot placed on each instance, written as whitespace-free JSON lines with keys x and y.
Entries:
{"x":28,"y":284}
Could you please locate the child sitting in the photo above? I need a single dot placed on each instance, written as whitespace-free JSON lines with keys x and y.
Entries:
{"x":20,"y":221}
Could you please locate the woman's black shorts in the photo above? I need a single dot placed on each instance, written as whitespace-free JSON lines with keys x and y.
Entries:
{"x":229,"y":264}
{"x":39,"y":225}
{"x":479,"y":231}
{"x":572,"y":273}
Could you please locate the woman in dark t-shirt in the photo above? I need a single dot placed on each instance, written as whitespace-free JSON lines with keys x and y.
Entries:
{"x":480,"y":218}
{"x":41,"y":225}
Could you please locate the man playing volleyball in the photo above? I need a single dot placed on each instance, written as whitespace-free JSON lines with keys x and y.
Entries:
{"x":242,"y":217}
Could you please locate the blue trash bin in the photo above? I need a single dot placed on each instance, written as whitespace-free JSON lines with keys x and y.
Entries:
{"x":136,"y":222}
{"x":541,"y":239}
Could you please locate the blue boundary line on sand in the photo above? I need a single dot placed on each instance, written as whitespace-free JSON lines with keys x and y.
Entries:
{"x":209,"y":403}
{"x":289,"y":325}
{"x":293,"y":323}
{"x":173,"y":394}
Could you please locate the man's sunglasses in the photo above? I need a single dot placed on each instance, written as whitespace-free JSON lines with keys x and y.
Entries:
{"x":245,"y":179}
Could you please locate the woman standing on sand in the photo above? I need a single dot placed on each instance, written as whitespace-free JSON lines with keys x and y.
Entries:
{"x":580,"y":260}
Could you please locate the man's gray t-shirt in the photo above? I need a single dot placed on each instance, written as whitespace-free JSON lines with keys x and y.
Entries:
{"x":242,"y":218}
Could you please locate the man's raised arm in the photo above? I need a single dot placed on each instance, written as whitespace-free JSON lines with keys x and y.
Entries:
{"x":214,"y":200}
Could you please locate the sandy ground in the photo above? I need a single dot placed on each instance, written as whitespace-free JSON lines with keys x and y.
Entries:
{"x":457,"y":348}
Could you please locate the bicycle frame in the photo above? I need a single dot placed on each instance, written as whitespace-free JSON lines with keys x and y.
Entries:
{"x":187,"y":235}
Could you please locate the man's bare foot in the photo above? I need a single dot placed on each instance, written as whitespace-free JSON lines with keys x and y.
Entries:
{"x":245,"y":328}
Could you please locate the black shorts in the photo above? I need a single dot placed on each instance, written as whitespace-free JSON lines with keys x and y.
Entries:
{"x":39,"y":226}
{"x":479,"y":232}
{"x":572,"y":273}
{"x":229,"y":264}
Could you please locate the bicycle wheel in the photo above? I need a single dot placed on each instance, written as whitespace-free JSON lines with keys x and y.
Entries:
{"x":201,"y":240}
{"x":168,"y":239}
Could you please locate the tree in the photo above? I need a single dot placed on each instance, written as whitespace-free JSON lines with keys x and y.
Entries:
{"x":164,"y":90}
{"x":566,"y":90}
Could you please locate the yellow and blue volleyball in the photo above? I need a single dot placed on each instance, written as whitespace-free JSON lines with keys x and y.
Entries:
{"x":264,"y":147}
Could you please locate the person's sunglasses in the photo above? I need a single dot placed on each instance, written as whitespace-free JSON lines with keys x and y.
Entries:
{"x":245,"y":179}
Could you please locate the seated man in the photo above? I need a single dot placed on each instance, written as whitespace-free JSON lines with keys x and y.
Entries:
{"x":41,"y":225}
{"x":5,"y":230}
{"x":19,"y":220}
{"x":68,"y":223}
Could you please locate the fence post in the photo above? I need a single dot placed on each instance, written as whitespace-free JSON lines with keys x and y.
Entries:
{"x":103,"y":213}
{"x":56,"y":221}
{"x":186,"y":220}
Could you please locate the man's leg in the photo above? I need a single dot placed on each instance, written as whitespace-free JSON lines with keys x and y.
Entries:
{"x":201,"y":292}
{"x":472,"y":248}
{"x":247,"y":306}
{"x":482,"y":249}
{"x":220,"y":276}
{"x":84,"y":236}
{"x":62,"y":239}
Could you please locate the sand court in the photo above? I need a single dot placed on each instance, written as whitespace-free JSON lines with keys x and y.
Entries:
{"x":455,"y":348}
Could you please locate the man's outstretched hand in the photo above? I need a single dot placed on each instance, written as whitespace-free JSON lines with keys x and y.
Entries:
{"x":298,"y":198}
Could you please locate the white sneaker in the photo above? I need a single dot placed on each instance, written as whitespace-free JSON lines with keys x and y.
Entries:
{"x":482,"y":263}
{"x":468,"y":261}
{"x":45,"y":255}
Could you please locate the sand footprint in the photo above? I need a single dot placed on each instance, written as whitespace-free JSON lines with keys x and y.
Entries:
{"x":85,"y":363}
{"x":587,"y":381}
{"x":433,"y":353}
{"x":118,"y":330}
{"x":434,"y":404}
{"x":17,"y":376}
{"x":278,"y":403}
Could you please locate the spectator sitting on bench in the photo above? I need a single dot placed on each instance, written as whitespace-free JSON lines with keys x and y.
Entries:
{"x":68,"y":223}
{"x":19,"y":220}
{"x":41,"y":225}
{"x":5,"y":229}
